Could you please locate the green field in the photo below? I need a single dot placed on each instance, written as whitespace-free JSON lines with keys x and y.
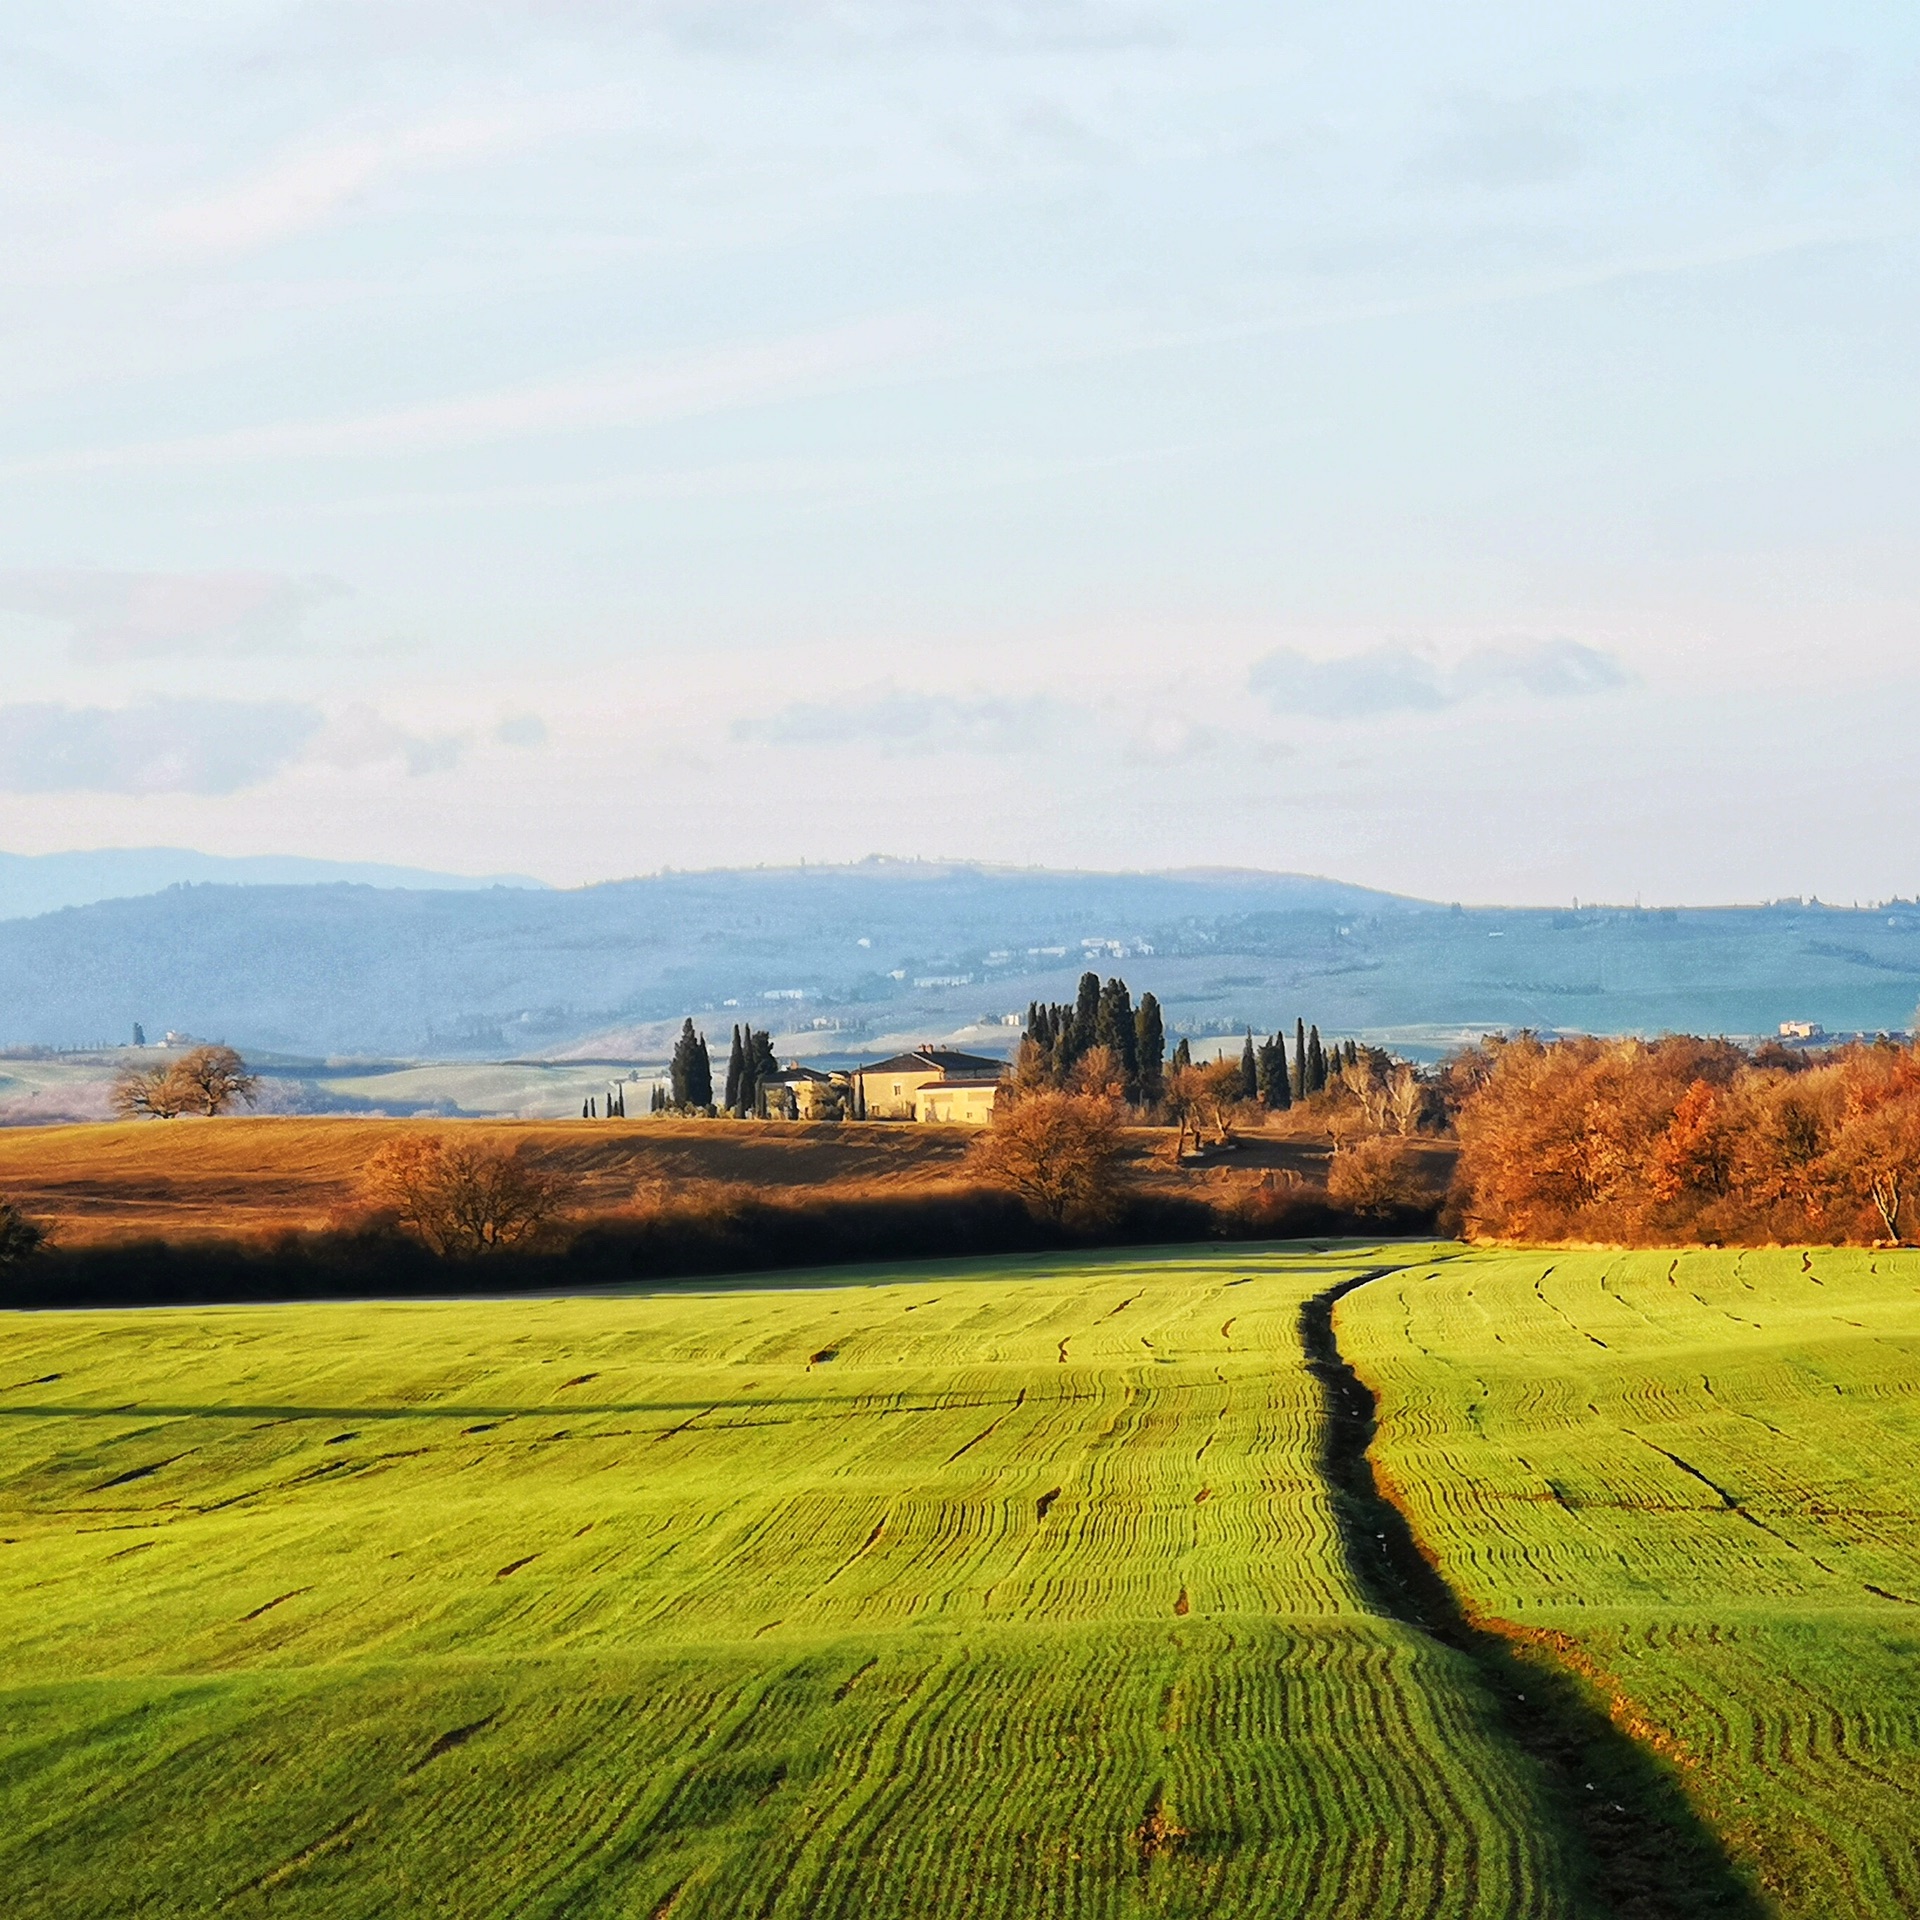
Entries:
{"x":906,"y":1597}
{"x":1014,"y":1588}
{"x":1701,"y":1468}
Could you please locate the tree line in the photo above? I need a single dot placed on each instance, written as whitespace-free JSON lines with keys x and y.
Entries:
{"x":1686,"y":1140}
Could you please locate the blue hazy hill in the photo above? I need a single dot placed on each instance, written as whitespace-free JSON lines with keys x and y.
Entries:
{"x":33,"y":883}
{"x":887,"y":947}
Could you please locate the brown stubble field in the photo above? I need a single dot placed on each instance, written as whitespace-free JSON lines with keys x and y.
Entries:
{"x":246,"y":1175}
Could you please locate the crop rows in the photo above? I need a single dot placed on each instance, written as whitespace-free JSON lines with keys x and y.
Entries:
{"x":1701,"y":1468}
{"x":1007,"y":1590}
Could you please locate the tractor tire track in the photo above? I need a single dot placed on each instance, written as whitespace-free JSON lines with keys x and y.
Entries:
{"x":1641,"y":1851}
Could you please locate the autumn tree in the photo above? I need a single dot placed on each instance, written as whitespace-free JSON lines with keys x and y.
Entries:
{"x":1100,"y":1074}
{"x":214,"y":1078}
{"x":1060,"y":1152}
{"x":463,"y":1196}
{"x":149,"y":1094}
{"x":1377,"y":1179}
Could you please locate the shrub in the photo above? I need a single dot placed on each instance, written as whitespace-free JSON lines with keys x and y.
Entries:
{"x":1377,"y":1179}
{"x":20,"y":1238}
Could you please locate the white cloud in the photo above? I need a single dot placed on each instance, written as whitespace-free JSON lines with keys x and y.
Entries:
{"x":1396,"y":678}
{"x":358,"y":737}
{"x":898,"y":722}
{"x":113,"y":615}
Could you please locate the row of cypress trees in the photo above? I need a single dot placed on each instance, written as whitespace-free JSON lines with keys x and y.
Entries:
{"x":1101,"y":1016}
{"x":750,"y":1062}
{"x":1266,"y":1076}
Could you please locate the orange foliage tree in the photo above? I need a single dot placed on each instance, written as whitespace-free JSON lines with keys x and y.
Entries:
{"x":1681,"y":1139}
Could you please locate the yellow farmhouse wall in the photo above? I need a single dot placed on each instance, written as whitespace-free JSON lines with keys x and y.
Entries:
{"x":955,"y":1106}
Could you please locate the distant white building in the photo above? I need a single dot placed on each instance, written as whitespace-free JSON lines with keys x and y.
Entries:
{"x":1802,"y":1030}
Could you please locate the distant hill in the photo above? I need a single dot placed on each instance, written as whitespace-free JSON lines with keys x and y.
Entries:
{"x":33,"y":883}
{"x":835,"y":959}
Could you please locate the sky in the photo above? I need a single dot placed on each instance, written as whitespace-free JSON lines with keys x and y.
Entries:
{"x":1468,"y":450}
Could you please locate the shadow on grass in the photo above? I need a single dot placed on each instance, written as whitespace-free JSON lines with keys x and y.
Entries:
{"x":1642,"y":1851}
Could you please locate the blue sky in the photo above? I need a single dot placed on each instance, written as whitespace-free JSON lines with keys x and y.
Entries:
{"x":1461,"y":450}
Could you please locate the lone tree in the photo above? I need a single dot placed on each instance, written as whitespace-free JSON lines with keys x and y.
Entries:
{"x":216,"y":1077}
{"x":462,"y":1197}
{"x":1060,"y":1152}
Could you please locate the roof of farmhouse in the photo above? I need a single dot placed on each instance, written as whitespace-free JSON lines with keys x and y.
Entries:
{"x":942,"y":1060}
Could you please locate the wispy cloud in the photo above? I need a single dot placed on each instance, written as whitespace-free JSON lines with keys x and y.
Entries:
{"x":113,"y":615}
{"x":899,"y":722}
{"x":164,"y":746}
{"x":666,"y":388}
{"x":312,"y":185}
{"x":1395,"y":678}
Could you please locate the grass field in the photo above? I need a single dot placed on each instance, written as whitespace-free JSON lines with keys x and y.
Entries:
{"x":923,"y":1593}
{"x":1700,"y":1469}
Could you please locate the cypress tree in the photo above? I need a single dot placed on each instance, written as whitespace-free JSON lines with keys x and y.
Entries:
{"x":1281,"y":1096}
{"x":1249,"y":1071}
{"x":1150,"y":1049}
{"x":1316,"y":1062}
{"x":1182,"y":1055}
{"x":1270,"y":1062}
{"x":1113,"y":1027}
{"x":691,"y":1070}
{"x":1300,"y":1087}
{"x":736,"y":1058}
{"x":760,"y":1067}
{"x":1086,"y":1015}
{"x":678,"y":1064}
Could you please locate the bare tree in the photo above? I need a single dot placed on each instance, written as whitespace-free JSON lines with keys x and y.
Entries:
{"x":1060,"y":1152}
{"x":207,"y":1080}
{"x":151,"y":1095}
{"x":463,"y":1197}
{"x":1406,"y":1099}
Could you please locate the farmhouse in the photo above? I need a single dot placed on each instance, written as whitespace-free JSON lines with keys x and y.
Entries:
{"x":800,"y":1093}
{"x":960,"y":1086}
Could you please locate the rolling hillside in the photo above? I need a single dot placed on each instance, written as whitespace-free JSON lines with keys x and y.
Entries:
{"x":838,"y":959}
